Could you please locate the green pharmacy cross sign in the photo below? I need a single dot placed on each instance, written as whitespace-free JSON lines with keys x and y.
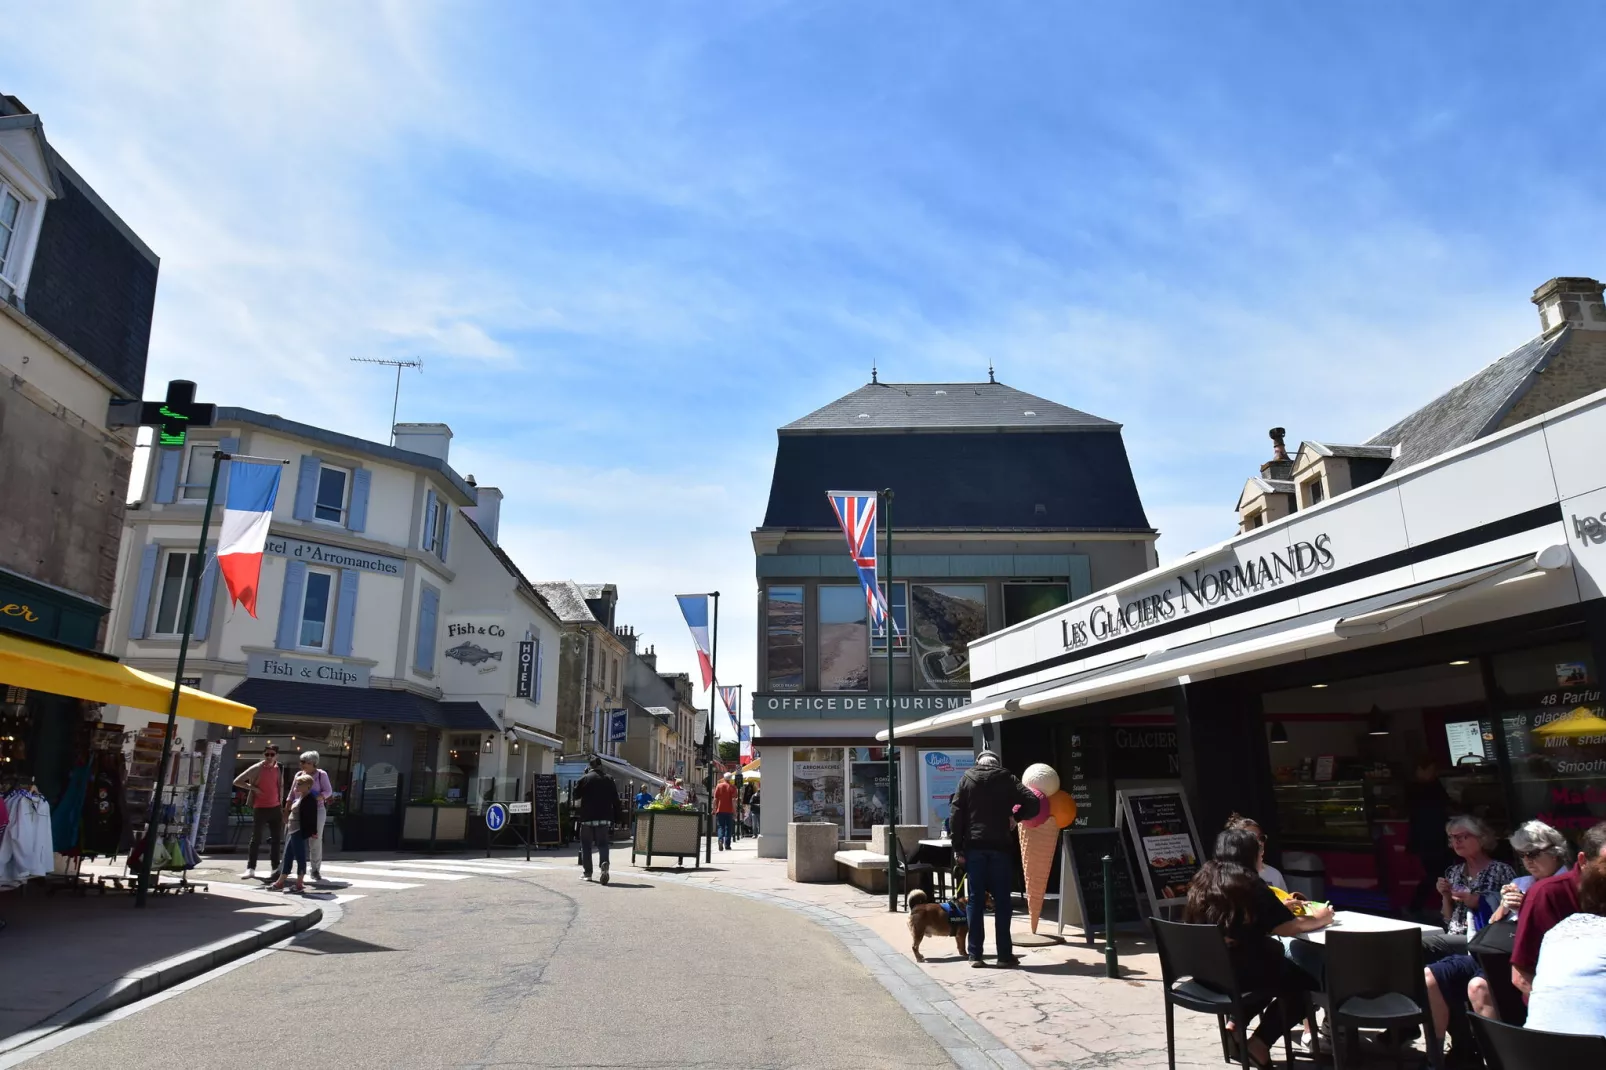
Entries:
{"x":174,"y":416}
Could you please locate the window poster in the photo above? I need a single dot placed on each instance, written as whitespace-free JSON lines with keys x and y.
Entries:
{"x":947,"y":617}
{"x":1557,"y":777}
{"x":818,"y":789}
{"x":844,"y":639}
{"x":870,"y":797}
{"x":940,"y":771}
{"x":783,"y":622}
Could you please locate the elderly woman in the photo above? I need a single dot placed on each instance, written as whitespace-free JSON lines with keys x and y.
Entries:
{"x":1471,"y":891}
{"x":324,"y":791}
{"x":1544,"y":853}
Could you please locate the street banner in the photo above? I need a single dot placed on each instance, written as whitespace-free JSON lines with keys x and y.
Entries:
{"x":618,"y":723}
{"x":856,"y":513}
{"x":732,"y":698}
{"x":694,"y":607}
{"x":247,"y":513}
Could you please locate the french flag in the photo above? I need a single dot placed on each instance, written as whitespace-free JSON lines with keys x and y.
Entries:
{"x":247,"y":512}
{"x":694,"y":607}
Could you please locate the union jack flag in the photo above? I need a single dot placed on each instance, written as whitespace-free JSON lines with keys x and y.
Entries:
{"x":855,"y":511}
{"x":732,"y":697}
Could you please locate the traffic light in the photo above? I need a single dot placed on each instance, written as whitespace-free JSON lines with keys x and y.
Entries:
{"x":174,"y":416}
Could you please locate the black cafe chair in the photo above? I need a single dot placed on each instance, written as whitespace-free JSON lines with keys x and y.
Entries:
{"x":911,"y":875}
{"x":1375,"y":981}
{"x":1198,"y":976}
{"x":1511,"y":1047}
{"x":1497,"y":971}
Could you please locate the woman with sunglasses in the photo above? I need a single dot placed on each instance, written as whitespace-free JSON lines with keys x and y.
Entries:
{"x":1544,"y":853}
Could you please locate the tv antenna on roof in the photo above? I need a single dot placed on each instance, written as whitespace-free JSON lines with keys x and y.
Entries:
{"x":396,"y":400}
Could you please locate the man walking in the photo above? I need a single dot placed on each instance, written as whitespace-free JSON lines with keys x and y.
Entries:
{"x":725,"y":811}
{"x":598,"y":801}
{"x":982,"y":817}
{"x":262,"y":780}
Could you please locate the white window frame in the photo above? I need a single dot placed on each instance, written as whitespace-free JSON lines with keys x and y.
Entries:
{"x":187,"y":483}
{"x":331,"y":610}
{"x":10,"y":253}
{"x":31,"y":196}
{"x":345,"y":496}
{"x":190,"y":577}
{"x":443,"y":517}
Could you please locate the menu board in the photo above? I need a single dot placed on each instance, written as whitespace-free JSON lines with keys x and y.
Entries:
{"x":1082,"y":854}
{"x":548,"y":827}
{"x":1078,"y":782}
{"x":1161,"y":832}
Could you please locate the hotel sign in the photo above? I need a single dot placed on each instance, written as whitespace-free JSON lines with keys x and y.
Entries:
{"x":840,"y":705}
{"x":318,"y":553}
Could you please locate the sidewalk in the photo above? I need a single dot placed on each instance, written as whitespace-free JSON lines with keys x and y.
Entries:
{"x":69,"y":957}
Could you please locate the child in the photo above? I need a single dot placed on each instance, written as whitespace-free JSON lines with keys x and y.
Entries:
{"x":304,"y":826}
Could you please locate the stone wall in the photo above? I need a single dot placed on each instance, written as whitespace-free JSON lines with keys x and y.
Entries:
{"x":1579,"y":370}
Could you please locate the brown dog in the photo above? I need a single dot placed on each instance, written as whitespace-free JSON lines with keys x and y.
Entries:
{"x":926,"y":917}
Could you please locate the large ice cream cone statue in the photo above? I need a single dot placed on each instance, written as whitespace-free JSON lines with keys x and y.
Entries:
{"x":1037,"y":858}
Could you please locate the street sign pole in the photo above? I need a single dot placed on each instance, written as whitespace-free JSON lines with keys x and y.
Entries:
{"x":892,"y":762}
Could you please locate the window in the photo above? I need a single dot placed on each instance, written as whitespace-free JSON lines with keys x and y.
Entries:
{"x":1313,"y":491}
{"x":1256,"y":519}
{"x":1023,"y":601}
{"x":198,"y":464}
{"x":898,"y":601}
{"x":946,"y":618}
{"x":843,"y":639}
{"x":178,"y":572}
{"x":10,"y":216}
{"x":783,"y":624}
{"x":818,"y":785}
{"x":332,"y":487}
{"x":317,"y":610}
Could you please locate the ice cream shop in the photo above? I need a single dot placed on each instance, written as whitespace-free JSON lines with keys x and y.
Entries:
{"x":1401,"y":642}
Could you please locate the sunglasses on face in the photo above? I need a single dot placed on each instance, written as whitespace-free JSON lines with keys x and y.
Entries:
{"x":1530,"y":856}
{"x":1461,"y":837}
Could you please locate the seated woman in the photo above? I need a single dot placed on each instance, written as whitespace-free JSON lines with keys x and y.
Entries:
{"x":1270,"y":874}
{"x":1569,"y":988}
{"x":1227,"y":893}
{"x":1471,"y":892}
{"x":1544,"y":853}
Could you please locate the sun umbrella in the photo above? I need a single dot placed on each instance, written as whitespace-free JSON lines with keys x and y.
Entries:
{"x":1583,"y":721}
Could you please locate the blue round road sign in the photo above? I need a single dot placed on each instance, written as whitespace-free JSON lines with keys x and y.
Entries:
{"x":495,"y":816}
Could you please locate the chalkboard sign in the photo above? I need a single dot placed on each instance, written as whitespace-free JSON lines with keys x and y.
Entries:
{"x":1162,"y":837}
{"x":1082,"y":854}
{"x":548,"y":829}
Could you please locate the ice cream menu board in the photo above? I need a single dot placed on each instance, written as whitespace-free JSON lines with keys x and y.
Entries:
{"x":1160,"y":829}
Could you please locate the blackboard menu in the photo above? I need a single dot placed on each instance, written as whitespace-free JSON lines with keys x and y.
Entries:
{"x":1082,"y":880}
{"x":1082,"y":775}
{"x":1161,"y":831}
{"x":548,"y":827}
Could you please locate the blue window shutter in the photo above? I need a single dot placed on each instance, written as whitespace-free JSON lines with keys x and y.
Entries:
{"x":295,"y":589}
{"x":167,"y":461}
{"x":430,"y":505}
{"x":203,"y":596}
{"x":446,"y":530}
{"x":142,"y":593}
{"x":346,"y":612}
{"x":428,"y":610}
{"x":536,"y":690}
{"x":227,"y":445}
{"x":357,"y":512}
{"x":307,"y":487}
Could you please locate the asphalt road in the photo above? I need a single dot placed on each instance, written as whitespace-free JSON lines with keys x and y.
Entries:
{"x":539,"y":970}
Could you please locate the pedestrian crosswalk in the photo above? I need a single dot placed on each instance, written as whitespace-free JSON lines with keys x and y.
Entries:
{"x":348,"y":881}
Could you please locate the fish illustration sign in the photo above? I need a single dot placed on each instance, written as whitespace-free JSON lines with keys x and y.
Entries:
{"x":477,"y":643}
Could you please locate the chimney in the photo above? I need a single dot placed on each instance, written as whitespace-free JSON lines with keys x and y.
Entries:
{"x":651,"y":658}
{"x":627,"y":636}
{"x":432,"y":440}
{"x":1570,"y":302}
{"x":1281,"y":466}
{"x":486,"y":511}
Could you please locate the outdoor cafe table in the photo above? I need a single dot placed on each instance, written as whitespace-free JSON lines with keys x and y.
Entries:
{"x":940,"y":854}
{"x":1355,"y":922}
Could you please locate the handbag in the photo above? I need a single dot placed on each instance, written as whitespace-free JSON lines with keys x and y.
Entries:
{"x":1496,"y":938}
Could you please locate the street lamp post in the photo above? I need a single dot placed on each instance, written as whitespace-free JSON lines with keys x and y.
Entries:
{"x":713,"y":701}
{"x":892,"y":762}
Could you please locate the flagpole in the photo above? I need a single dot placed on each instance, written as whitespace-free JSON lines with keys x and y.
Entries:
{"x":713,"y":747}
{"x":892,"y":763}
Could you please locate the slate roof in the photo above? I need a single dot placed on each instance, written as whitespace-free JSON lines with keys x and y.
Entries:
{"x":943,"y":407}
{"x":290,"y":699}
{"x":1470,"y":409}
{"x":1328,"y":449}
{"x":567,"y":601}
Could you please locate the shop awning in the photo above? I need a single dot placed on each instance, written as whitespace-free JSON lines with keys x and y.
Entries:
{"x":617,"y":766}
{"x":290,"y":699}
{"x":1289,"y":638}
{"x":40,"y":666}
{"x":540,"y":739}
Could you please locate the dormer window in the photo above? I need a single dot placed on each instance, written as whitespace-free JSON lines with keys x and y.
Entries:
{"x":1313,"y":492}
{"x":10,"y":243}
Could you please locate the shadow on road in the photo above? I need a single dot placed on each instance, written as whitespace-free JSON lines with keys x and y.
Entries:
{"x":332,"y":943}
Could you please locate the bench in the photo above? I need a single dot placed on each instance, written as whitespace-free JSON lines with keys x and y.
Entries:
{"x":865,"y":870}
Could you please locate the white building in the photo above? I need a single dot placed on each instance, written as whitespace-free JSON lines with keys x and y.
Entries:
{"x":392,"y":634}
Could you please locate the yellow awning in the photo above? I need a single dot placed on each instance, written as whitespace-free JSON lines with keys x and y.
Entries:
{"x":58,"y":670}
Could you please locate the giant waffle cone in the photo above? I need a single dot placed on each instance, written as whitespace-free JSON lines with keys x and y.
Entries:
{"x":1037,"y":858}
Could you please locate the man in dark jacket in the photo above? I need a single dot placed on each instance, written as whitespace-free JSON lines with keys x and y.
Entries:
{"x":981,"y":823}
{"x":596,"y":802}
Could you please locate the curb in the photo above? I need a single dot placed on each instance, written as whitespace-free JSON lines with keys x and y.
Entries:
{"x":164,"y":974}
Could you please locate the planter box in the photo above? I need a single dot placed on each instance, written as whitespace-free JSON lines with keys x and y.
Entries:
{"x":676,"y":834}
{"x":435,"y":825}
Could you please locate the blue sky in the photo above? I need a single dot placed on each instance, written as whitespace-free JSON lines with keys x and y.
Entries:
{"x":630,"y":240}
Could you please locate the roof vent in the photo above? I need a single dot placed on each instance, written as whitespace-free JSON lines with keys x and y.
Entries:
{"x":1029,"y":412}
{"x":942,"y":391}
{"x":862,"y":416}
